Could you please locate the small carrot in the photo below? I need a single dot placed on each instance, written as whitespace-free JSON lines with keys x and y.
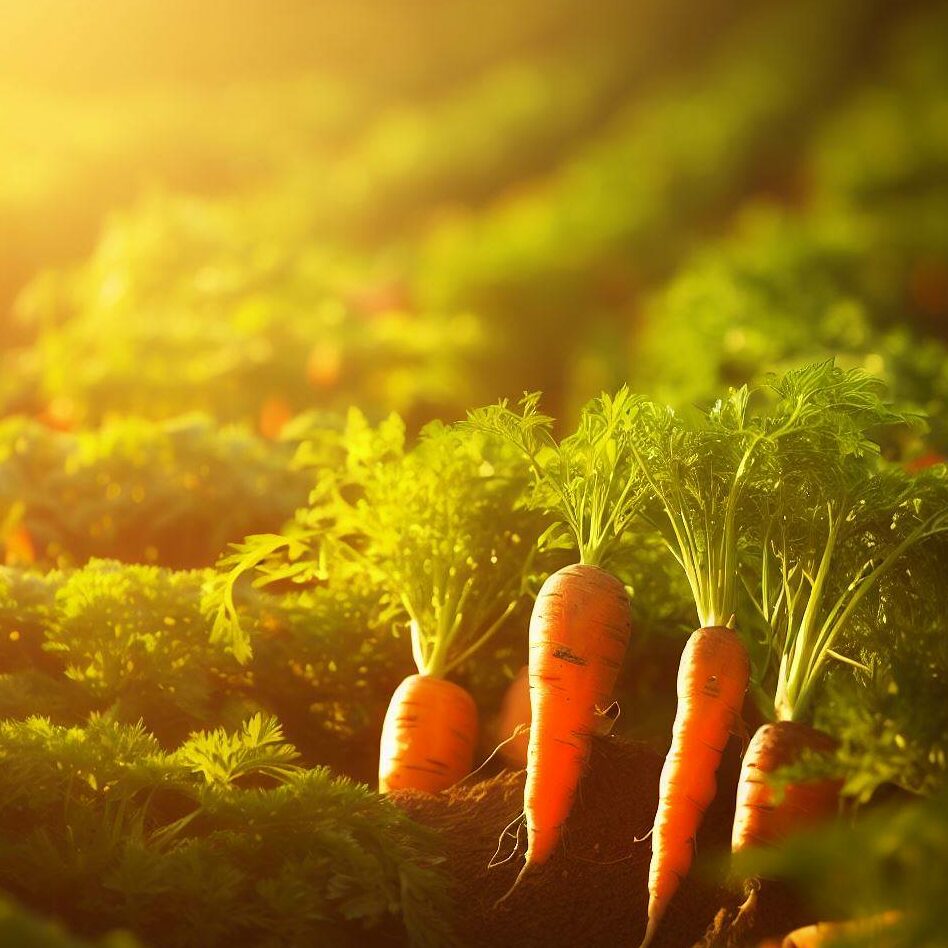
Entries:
{"x":515,"y":713}
{"x":428,"y":737}
{"x":872,"y":930}
{"x":712,"y":679}
{"x":762,"y":817}
{"x":579,"y":632}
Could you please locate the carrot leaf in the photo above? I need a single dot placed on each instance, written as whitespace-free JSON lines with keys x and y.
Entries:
{"x":587,"y":482}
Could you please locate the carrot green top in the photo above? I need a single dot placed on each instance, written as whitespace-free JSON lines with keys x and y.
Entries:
{"x":587,"y":481}
{"x":440,"y":528}
{"x":711,"y":473}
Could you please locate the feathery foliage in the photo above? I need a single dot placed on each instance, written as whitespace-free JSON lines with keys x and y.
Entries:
{"x":222,"y":841}
{"x":586,"y":481}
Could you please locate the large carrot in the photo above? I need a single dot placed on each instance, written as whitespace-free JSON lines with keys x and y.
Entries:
{"x":765,"y":815}
{"x":579,"y":632}
{"x":712,"y":679}
{"x":581,"y":621}
{"x":428,"y":737}
{"x":441,"y":533}
{"x":446,"y":530}
{"x":829,"y":541}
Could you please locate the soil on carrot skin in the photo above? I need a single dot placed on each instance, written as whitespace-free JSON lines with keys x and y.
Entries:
{"x":593,"y":892}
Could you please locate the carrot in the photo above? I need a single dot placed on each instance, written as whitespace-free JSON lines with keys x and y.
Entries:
{"x":762,"y":817}
{"x":514,"y":713}
{"x":581,"y":622}
{"x":579,"y":631}
{"x":712,"y":679}
{"x":924,"y":461}
{"x":871,"y":930}
{"x":428,"y":737}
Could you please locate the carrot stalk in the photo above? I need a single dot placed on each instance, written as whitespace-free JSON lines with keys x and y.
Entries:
{"x":428,"y":737}
{"x":712,"y":679}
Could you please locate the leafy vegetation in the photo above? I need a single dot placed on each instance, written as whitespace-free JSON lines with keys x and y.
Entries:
{"x":225,"y":838}
{"x":439,"y":530}
{"x":883,"y":865}
{"x":132,"y":642}
{"x":234,"y":306}
{"x":586,"y":481}
{"x":174,"y":493}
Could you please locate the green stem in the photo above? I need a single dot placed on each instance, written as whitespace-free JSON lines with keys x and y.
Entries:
{"x":789,"y":687}
{"x":482,"y":640}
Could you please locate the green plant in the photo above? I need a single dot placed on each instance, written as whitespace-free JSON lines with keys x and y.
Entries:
{"x":224,"y":840}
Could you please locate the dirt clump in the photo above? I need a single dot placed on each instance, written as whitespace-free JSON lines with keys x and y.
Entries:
{"x":593,"y":892}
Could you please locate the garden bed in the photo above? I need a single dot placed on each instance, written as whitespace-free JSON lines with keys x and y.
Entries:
{"x":594,"y":889}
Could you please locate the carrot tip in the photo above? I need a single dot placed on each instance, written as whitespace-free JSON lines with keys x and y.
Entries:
{"x":509,"y":892}
{"x":749,"y":903}
{"x":650,"y":930}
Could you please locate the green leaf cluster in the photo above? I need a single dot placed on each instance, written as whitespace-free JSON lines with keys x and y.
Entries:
{"x":439,"y":529}
{"x":586,"y":480}
{"x":131,"y":642}
{"x":222,"y":840}
{"x":890,"y":862}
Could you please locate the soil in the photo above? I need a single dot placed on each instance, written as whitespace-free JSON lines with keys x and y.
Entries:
{"x":593,"y":892}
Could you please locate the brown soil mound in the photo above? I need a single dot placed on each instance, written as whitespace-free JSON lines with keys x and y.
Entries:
{"x":593,"y":892}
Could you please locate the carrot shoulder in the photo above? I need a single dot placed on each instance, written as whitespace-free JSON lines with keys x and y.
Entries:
{"x":428,"y":737}
{"x":712,"y":678}
{"x":579,"y":632}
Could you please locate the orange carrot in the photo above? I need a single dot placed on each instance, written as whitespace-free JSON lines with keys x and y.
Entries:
{"x":579,"y":632}
{"x":428,"y":737}
{"x":761,"y":816}
{"x":514,"y":713}
{"x":712,"y":678}
{"x":872,"y":930}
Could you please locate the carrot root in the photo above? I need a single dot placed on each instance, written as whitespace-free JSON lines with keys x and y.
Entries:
{"x":526,"y":868}
{"x":712,"y":678}
{"x":428,"y":736}
{"x":516,"y":821}
{"x":579,"y":632}
{"x":519,"y":731}
{"x":761,"y":818}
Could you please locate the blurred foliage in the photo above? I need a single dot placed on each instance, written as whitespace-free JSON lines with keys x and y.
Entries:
{"x":174,"y":493}
{"x":782,"y":289}
{"x":224,"y":305}
{"x":28,"y":930}
{"x":891,"y":861}
{"x":132,"y":641}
